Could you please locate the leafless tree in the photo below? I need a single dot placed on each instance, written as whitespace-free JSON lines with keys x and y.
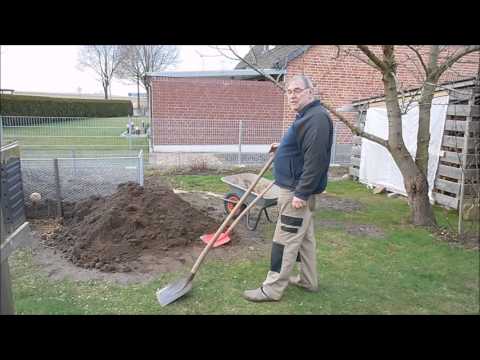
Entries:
{"x":138,"y":60}
{"x":103,"y":60}
{"x":433,"y":62}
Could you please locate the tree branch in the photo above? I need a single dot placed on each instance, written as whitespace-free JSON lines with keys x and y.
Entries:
{"x":433,"y":61}
{"x":454,"y":58}
{"x":355,"y":129}
{"x":348,"y":52}
{"x":419,"y":57}
{"x":380,"y":64}
{"x":259,"y":71}
{"x":418,"y":73}
{"x":219,"y":50}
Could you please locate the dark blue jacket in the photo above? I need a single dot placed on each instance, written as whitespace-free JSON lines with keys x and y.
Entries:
{"x":303,"y":156}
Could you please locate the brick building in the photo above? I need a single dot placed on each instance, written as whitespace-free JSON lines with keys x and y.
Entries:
{"x":340,"y":78}
{"x":202,"y":111}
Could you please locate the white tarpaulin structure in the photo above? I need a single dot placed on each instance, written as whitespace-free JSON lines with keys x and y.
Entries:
{"x":376,"y":164}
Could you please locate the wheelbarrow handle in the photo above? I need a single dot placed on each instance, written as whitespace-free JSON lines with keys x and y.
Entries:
{"x":230,"y":216}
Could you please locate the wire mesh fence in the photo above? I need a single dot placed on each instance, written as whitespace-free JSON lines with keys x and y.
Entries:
{"x":67,"y":180}
{"x":49,"y":137}
{"x":221,"y":143}
{"x":177,"y":142}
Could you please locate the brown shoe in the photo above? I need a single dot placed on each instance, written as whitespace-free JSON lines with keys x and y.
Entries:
{"x":257,"y":295}
{"x":295,"y":280}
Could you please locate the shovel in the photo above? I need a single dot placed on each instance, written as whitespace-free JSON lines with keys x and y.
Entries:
{"x":224,"y":237}
{"x":177,"y":289}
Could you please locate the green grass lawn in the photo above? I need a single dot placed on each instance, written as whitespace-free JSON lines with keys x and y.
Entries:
{"x":405,"y":271}
{"x":202,"y":182}
{"x":81,"y":134}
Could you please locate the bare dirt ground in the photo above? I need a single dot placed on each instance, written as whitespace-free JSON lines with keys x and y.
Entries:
{"x":60,"y":257}
{"x":150,"y":263}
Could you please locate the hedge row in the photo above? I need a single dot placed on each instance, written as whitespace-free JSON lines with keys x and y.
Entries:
{"x":20,"y":105}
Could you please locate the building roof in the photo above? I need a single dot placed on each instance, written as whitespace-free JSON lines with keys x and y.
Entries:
{"x":227,"y":74}
{"x":446,"y":85}
{"x":275,"y":58}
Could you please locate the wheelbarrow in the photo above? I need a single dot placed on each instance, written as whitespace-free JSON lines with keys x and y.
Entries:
{"x":239,"y":184}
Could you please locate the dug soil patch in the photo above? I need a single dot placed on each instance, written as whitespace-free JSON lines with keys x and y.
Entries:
{"x":108,"y":233}
{"x":332,"y":202}
{"x":352,"y":228}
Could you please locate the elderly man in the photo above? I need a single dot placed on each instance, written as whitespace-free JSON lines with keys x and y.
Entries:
{"x":301,"y":170}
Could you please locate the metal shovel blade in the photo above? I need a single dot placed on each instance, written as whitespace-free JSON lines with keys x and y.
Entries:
{"x":222,"y":239}
{"x":174,"y":291}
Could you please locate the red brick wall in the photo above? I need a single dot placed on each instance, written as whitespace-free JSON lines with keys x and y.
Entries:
{"x":339,"y":81}
{"x":196,"y":111}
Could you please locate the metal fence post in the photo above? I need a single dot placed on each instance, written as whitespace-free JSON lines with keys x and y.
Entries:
{"x":334,"y":142}
{"x":6,"y":299}
{"x":140,"y":168}
{"x":74,"y":164}
{"x":129,"y":132}
{"x":57,"y":188}
{"x":7,"y":306}
{"x":1,"y":131}
{"x":240,"y":133}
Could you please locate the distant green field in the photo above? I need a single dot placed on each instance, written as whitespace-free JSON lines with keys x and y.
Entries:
{"x":90,"y":134}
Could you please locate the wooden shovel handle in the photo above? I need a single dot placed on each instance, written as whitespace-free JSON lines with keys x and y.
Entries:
{"x":232,"y":213}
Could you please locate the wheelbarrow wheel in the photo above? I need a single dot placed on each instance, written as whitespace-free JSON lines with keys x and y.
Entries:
{"x":230,"y":202}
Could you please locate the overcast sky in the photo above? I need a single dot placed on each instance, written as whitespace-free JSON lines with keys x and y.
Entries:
{"x":49,"y":68}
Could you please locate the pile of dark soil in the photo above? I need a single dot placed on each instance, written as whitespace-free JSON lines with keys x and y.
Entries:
{"x":107,"y":233}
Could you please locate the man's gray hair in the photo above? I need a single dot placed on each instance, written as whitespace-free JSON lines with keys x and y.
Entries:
{"x":307,"y":82}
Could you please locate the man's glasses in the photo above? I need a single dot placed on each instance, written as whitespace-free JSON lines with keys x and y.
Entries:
{"x":296,"y":91}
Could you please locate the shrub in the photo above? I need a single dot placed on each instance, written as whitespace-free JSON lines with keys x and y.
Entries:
{"x":20,"y":105}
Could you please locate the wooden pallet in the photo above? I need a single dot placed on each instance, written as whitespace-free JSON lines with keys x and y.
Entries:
{"x":459,"y":164}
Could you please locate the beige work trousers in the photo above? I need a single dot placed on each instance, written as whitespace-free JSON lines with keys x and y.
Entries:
{"x":293,"y":241}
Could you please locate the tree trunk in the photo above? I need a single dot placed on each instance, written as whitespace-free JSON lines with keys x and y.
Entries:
{"x":138,"y":94}
{"x":105,"y":90}
{"x":145,"y":85}
{"x":416,"y":184}
{"x":422,"y":211}
{"x":423,"y":135}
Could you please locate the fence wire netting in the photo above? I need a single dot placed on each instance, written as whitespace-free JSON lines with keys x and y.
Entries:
{"x":68,"y":180}
{"x":68,"y":159}
{"x":222,"y":143}
{"x":50,"y":137}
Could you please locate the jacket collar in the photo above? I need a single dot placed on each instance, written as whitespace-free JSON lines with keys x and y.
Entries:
{"x":306,"y":107}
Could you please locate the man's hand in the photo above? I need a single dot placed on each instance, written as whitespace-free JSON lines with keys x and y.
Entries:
{"x":298,"y":203}
{"x":273,"y":147}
